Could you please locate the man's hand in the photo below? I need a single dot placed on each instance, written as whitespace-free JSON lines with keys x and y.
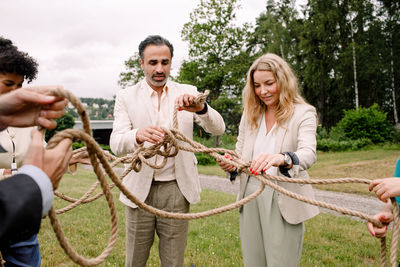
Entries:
{"x":185,"y":102}
{"x":31,"y":106}
{"x":53,"y":162}
{"x":80,"y":157}
{"x":151,"y":134}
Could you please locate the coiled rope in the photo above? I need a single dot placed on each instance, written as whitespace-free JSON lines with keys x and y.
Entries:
{"x":173,"y":142}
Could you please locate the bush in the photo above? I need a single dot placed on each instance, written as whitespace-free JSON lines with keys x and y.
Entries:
{"x":322,"y":133}
{"x":329,"y":144}
{"x":225,"y":141}
{"x":370,"y":123}
{"x":65,"y":122}
{"x":76,"y":145}
{"x":205,"y":159}
{"x":396,"y":136}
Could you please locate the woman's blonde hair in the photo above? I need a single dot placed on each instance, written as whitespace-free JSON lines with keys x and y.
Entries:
{"x":288,"y":89}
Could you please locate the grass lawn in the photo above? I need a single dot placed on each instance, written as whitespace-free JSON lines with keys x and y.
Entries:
{"x":213,"y":241}
{"x":370,"y":164}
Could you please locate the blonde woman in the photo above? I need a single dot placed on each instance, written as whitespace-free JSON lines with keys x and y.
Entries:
{"x":277,"y":133}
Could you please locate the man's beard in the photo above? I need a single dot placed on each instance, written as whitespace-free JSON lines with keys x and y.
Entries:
{"x":159,"y":83}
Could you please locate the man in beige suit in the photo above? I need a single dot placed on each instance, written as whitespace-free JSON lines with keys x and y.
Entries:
{"x":139,"y":113}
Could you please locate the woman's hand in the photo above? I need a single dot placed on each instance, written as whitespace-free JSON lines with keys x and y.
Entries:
{"x":226,"y":166}
{"x":265,"y":161}
{"x":385,"y":216}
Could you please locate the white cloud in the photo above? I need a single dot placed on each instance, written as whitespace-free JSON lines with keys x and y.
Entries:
{"x":83,"y":44}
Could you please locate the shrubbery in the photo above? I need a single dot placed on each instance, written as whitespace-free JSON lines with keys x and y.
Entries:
{"x":358,"y":128}
{"x":368,"y":123}
{"x":328,"y":144}
{"x":76,"y":145}
{"x":225,"y":141}
{"x":205,"y":159}
{"x":65,"y":122}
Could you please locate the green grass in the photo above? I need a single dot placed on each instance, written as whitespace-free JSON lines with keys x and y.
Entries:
{"x":370,"y":164}
{"x":339,"y":241}
{"x":211,"y":170}
{"x":213,"y":241}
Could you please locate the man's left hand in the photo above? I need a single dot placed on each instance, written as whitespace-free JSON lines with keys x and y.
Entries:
{"x":185,"y":102}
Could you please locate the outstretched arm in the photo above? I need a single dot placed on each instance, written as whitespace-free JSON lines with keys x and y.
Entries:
{"x":31,"y":106}
{"x":28,"y":195}
{"x":385,"y":188}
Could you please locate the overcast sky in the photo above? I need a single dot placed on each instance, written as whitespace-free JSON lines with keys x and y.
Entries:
{"x":82,"y":44}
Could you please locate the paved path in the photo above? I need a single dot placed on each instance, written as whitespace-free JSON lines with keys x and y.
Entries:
{"x":369,"y":205}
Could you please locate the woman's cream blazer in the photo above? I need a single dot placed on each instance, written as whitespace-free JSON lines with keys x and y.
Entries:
{"x":298,"y":135}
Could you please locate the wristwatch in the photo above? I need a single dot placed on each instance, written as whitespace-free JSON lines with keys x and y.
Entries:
{"x":287,"y":160}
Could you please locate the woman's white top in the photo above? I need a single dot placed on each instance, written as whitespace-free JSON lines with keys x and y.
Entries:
{"x":265,"y":143}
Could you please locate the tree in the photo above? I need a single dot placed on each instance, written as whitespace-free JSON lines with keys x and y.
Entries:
{"x":354,"y":62}
{"x":65,"y":122}
{"x":391,"y":18}
{"x":321,"y":51}
{"x":133,"y":73}
{"x":217,"y":60}
{"x":342,"y":35}
{"x":367,"y":43}
{"x":278,"y":31}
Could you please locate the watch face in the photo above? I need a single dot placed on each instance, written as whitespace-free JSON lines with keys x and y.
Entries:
{"x":287,"y":159}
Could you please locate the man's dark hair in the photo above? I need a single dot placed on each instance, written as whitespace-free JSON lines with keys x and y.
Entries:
{"x":14,"y":61}
{"x":154,"y":40}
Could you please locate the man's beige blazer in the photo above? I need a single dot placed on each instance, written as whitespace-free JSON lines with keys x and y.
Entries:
{"x":297,"y":135}
{"x":132,"y":111}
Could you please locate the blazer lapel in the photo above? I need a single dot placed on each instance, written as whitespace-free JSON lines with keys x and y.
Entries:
{"x":280,"y":136}
{"x":172,"y":95}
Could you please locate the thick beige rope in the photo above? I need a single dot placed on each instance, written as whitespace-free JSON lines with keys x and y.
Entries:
{"x":173,"y":142}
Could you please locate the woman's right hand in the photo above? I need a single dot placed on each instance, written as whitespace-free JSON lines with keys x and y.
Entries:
{"x":226,"y":166}
{"x":385,"y":216}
